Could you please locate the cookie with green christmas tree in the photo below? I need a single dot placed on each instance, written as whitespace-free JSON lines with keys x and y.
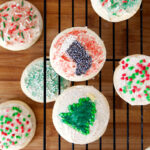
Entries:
{"x":17,"y":125}
{"x":81,"y":114}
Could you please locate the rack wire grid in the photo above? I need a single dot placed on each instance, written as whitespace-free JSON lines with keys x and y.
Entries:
{"x":113,"y":60}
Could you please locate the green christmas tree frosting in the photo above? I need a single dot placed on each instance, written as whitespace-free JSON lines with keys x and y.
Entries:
{"x":80,"y":116}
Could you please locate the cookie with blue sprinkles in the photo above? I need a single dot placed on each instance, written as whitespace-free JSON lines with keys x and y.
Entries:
{"x":32,"y":81}
{"x":77,"y":54}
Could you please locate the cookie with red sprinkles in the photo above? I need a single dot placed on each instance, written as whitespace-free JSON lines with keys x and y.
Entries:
{"x":77,"y":54}
{"x":116,"y":10}
{"x":20,"y":25}
{"x":17,"y":125}
{"x":132,"y":79}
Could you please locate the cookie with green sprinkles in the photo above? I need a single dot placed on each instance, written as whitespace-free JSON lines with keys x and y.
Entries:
{"x":17,"y":125}
{"x":32,"y":81}
{"x":81,"y":114}
{"x":132,"y":79}
{"x":20,"y":25}
{"x":116,"y":10}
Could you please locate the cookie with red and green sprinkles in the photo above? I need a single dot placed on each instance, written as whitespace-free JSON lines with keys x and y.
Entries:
{"x":77,"y":54}
{"x":132,"y":79}
{"x":17,"y":125}
{"x":20,"y":25}
{"x":116,"y":10}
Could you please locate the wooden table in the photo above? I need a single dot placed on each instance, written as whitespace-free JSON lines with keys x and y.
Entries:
{"x":13,"y":63}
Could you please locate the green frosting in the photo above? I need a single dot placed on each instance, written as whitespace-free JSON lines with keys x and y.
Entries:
{"x":80,"y":116}
{"x":34,"y":81}
{"x":115,"y":7}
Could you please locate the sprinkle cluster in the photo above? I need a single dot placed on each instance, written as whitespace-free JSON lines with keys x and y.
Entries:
{"x":17,"y":22}
{"x":114,"y":7}
{"x":80,"y":116}
{"x":34,"y":81}
{"x":135,"y":79}
{"x":78,"y":53}
{"x":14,"y":126}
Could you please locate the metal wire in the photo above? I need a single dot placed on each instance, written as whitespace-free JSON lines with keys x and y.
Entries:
{"x":44,"y":107}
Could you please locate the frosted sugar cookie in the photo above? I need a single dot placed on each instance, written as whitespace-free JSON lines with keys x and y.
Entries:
{"x":17,"y":125}
{"x":116,"y":10}
{"x":81,"y":114}
{"x":32,"y":81}
{"x":77,"y":54}
{"x":20,"y":25}
{"x":132,"y":79}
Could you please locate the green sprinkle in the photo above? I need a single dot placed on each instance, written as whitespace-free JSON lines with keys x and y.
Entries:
{"x":3,"y":138}
{"x":30,"y":18}
{"x":114,"y":14}
{"x":17,"y":19}
{"x":124,"y":91}
{"x":141,"y":83}
{"x":141,"y":61}
{"x":148,"y":98}
{"x":2,"y":36}
{"x":127,"y":60}
{"x":147,"y":68}
{"x":129,"y":83}
{"x":1,"y":118}
{"x":16,"y":142}
{"x":15,"y":114}
{"x":17,"y":27}
{"x":130,"y":92}
{"x":143,"y":71}
{"x":4,"y":18}
{"x":1,"y":10}
{"x":114,"y":5}
{"x":29,"y":116}
{"x":148,"y":89}
{"x":27,"y":134}
{"x":137,"y":73}
{"x":142,"y":76}
{"x":138,"y":81}
{"x":24,"y":119}
{"x":33,"y":27}
{"x":17,"y":109}
{"x":19,"y":33}
{"x":22,"y":35}
{"x":7,"y":9}
{"x":4,"y":25}
{"x":30,"y":9}
{"x":132,"y":99}
{"x":131,"y":68}
{"x":16,"y":127}
{"x":34,"y":16}
{"x":12,"y":19}
{"x":18,"y":137}
{"x":12,"y":137}
{"x":8,"y":38}
{"x":22,"y":3}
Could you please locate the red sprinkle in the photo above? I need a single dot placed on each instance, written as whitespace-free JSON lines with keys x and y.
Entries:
{"x":123,"y":62}
{"x":124,"y":74}
{"x":29,"y":130}
{"x":139,"y":96}
{"x":120,"y":89}
{"x":7,"y":128}
{"x":27,"y":122}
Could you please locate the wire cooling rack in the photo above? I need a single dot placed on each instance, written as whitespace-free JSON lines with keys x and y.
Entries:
{"x":113,"y":60}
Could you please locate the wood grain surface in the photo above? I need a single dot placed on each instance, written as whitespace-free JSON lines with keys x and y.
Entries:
{"x":13,"y":63}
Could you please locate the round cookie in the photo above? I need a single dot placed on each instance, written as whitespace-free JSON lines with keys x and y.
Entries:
{"x":77,"y":54}
{"x":17,"y":125}
{"x":132,"y":79}
{"x":81,"y":114}
{"x":32,"y":81}
{"x":20,"y":25}
{"x":116,"y":10}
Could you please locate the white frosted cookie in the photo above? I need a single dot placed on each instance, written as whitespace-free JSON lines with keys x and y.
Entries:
{"x":147,"y":148}
{"x":20,"y":25}
{"x":32,"y":83}
{"x":17,"y":125}
{"x":77,"y":54}
{"x":81,"y":114}
{"x":116,"y":10}
{"x":132,"y":79}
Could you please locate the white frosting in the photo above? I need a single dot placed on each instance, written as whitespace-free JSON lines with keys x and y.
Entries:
{"x":139,"y":95}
